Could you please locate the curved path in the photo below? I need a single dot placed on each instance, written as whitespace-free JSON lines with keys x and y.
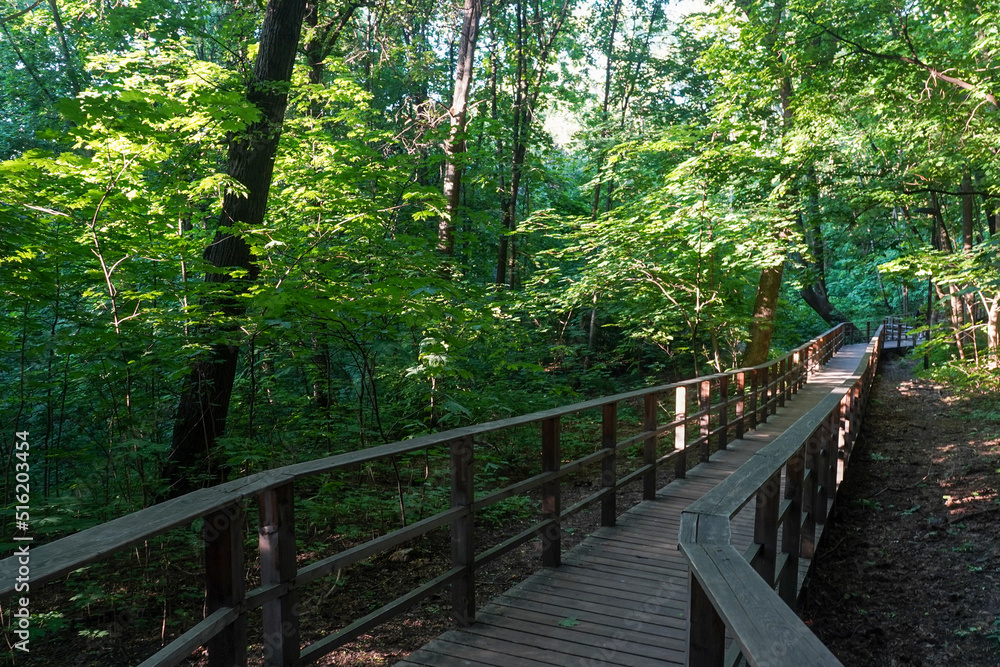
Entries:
{"x":620,"y":597}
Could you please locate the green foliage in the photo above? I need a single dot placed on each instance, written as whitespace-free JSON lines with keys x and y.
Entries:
{"x":714,"y":156}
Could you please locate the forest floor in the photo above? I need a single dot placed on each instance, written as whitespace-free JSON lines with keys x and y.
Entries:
{"x":909,"y":570}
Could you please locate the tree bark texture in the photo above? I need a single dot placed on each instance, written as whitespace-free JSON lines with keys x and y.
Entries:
{"x":204,"y":404}
{"x":765,"y":308}
{"x":455,"y":145}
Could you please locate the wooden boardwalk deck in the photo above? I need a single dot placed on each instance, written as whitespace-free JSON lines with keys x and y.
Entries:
{"x":620,"y":596}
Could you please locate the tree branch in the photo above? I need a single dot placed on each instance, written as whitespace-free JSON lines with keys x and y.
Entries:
{"x":910,"y":60}
{"x":11,"y":17}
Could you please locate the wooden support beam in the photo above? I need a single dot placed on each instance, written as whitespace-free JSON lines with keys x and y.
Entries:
{"x":276,"y":542}
{"x":649,"y":457}
{"x":704,"y":422}
{"x":782,"y":382}
{"x":791,"y":528}
{"x":680,"y":431}
{"x":706,"y":631}
{"x":551,"y":496}
{"x":723,"y":412}
{"x":609,"y":472}
{"x":463,"y":547}
{"x":224,"y":583}
{"x":741,"y":379}
{"x":765,"y":531}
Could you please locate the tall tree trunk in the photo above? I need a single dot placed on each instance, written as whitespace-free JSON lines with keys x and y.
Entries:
{"x":765,"y":308}
{"x":455,"y":145}
{"x":608,"y":75}
{"x":766,"y":304}
{"x":968,"y":212}
{"x":814,"y":291}
{"x":204,"y":403}
{"x":526,"y":94}
{"x":68,"y":58}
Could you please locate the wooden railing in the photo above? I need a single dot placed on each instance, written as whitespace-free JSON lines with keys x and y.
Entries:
{"x":792,"y":481}
{"x":700,"y":413}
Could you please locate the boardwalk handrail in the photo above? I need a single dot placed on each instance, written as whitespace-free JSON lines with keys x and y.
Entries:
{"x":716,"y":406}
{"x":793,"y":481}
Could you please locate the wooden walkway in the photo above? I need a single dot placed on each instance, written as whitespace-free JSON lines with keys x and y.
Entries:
{"x":620,"y":596}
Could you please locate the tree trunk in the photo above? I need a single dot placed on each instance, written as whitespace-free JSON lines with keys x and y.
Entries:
{"x":765,"y":308}
{"x":455,"y":145}
{"x":525,"y":98}
{"x":608,"y":75}
{"x":204,"y":403}
{"x":993,"y":332}
{"x":814,"y":291}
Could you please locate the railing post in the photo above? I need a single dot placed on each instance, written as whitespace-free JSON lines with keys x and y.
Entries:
{"x":551,"y":496}
{"x":810,"y":496}
{"x":741,"y":380}
{"x":225,"y":585}
{"x":649,"y":447}
{"x":791,"y":530}
{"x":706,"y":631}
{"x":822,"y":467}
{"x":724,"y":411}
{"x":753,"y":398}
{"x":276,"y":541}
{"x":609,"y":471}
{"x":765,"y":394}
{"x":765,"y":530}
{"x":463,"y":545}
{"x":680,"y":431}
{"x":836,"y":431}
{"x":868,"y":330}
{"x":797,"y":373}
{"x":705,"y":421}
{"x":782,"y":382}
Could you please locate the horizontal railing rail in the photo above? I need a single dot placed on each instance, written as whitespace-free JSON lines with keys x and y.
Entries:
{"x":703,"y":411}
{"x":792,"y":481}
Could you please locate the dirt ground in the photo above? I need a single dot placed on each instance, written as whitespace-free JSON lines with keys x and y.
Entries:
{"x":909,"y":570}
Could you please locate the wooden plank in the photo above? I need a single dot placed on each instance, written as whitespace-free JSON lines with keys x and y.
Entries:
{"x":609,"y":471}
{"x":318,"y":649}
{"x":706,"y":643}
{"x":680,"y":435}
{"x":650,"y":404}
{"x":513,"y":542}
{"x":430,"y":658}
{"x":569,"y":645}
{"x":225,"y":585}
{"x":493,"y":655}
{"x":463,"y":544}
{"x":705,"y":418}
{"x":181,"y":648}
{"x":551,"y":494}
{"x":723,"y":428}
{"x":350,"y":556}
{"x":276,"y":542}
{"x":661,"y":600}
{"x":598,"y":626}
{"x":743,"y":600}
{"x":566,"y":603}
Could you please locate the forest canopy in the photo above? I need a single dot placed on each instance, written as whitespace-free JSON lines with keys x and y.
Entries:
{"x":242,"y":234}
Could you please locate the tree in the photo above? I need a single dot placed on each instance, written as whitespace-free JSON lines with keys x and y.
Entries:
{"x":455,"y":145}
{"x":204,"y":403}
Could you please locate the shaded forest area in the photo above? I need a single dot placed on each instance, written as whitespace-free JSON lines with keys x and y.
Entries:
{"x":239,"y":235}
